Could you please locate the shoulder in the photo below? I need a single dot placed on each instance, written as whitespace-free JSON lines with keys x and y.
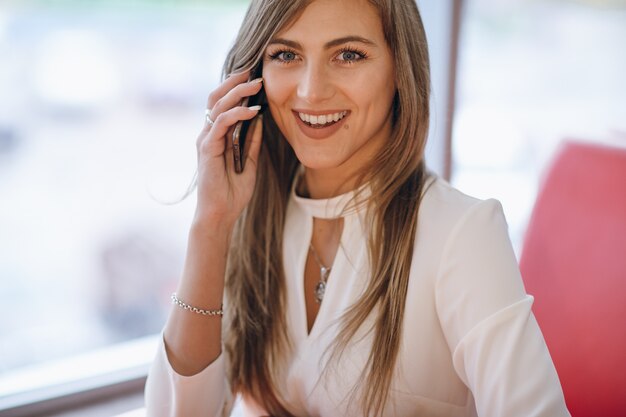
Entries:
{"x":444,"y":207}
{"x":450,"y":221}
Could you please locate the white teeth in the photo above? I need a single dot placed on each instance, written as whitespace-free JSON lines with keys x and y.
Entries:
{"x":323,"y":119}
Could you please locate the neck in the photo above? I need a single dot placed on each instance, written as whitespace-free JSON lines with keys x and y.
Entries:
{"x":319,"y":184}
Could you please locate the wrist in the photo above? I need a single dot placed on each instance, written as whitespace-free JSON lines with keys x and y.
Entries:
{"x":212,"y":223}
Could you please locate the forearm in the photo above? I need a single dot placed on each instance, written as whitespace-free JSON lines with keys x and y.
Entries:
{"x":192,"y":340}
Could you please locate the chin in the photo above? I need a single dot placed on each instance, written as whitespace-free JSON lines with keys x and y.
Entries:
{"x":316,"y":162}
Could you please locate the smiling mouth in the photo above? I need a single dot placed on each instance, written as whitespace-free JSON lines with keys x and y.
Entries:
{"x":321,"y":121}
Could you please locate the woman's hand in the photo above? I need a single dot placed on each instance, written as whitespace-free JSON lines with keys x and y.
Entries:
{"x":222,"y":193}
{"x":193,"y":341}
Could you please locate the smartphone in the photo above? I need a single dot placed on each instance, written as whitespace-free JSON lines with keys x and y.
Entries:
{"x":243,"y":126}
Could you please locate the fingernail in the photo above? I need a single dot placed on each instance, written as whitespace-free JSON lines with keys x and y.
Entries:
{"x":256,"y":80}
{"x":255,"y":108}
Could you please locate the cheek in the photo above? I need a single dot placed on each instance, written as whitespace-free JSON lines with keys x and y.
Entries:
{"x":276,"y":90}
{"x":375,"y":97}
{"x":380,"y":99}
{"x":276,"y":95}
{"x":274,"y":103}
{"x":374,"y":104}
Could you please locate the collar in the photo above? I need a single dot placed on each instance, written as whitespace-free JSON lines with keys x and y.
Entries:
{"x":334,"y":207}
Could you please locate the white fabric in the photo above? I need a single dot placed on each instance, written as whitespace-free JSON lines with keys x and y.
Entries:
{"x":470,"y":344}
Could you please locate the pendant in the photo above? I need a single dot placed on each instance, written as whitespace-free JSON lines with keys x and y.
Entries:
{"x":320,"y":288}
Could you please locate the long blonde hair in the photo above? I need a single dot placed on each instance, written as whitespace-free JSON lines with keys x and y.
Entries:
{"x":256,"y":328}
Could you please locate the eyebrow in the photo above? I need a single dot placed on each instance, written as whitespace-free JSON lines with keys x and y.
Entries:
{"x":327,"y":45}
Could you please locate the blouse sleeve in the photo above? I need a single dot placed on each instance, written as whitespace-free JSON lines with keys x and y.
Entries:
{"x":169,"y":394}
{"x":497,"y":347}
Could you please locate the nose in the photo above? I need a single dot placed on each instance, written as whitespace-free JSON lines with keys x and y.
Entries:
{"x":315,"y":85}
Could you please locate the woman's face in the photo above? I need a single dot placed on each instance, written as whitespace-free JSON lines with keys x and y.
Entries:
{"x":329,"y":81}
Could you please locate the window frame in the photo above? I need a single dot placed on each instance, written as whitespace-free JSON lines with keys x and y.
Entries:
{"x":124,"y":372}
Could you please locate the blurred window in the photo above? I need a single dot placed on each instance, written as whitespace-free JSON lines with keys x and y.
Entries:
{"x":100,"y":106}
{"x":530,"y":74}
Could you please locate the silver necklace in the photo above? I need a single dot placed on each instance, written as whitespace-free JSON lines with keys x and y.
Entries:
{"x":320,"y":287}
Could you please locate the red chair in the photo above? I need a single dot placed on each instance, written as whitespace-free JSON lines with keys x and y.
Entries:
{"x":574,"y":263}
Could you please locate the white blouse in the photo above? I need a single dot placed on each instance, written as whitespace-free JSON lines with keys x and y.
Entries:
{"x":470,"y":344}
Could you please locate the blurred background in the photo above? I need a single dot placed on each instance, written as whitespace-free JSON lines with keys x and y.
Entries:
{"x":101,"y":102}
{"x":531,"y":74}
{"x":100,"y":106}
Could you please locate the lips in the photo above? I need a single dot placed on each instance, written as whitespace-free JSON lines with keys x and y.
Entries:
{"x":312,"y":127}
{"x":323,"y":120}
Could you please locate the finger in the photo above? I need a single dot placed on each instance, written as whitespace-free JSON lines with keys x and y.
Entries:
{"x":235,"y":96}
{"x":230,"y":117}
{"x":225,"y":87}
{"x":255,"y":144}
{"x":212,"y":140}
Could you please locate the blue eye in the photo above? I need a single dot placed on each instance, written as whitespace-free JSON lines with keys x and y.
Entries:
{"x":287,"y":56}
{"x":283,"y":56}
{"x":350,"y":56}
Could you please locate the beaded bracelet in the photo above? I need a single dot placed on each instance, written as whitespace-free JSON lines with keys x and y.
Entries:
{"x":193,"y":309}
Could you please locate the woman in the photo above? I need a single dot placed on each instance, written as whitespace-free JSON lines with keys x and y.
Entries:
{"x":356,"y":283}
